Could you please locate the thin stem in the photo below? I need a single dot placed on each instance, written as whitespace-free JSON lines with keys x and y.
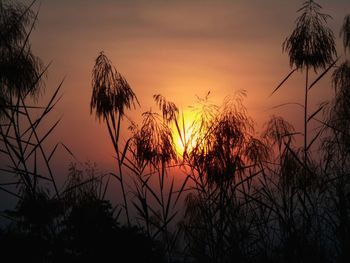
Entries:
{"x":305,"y":143}
{"x":115,"y":139}
{"x":305,"y":114}
{"x":21,"y":152}
{"x":40,"y":147}
{"x":123,"y":189}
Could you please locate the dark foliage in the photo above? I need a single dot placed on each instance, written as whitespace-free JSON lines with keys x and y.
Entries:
{"x":82,"y":229}
{"x":345,"y":33}
{"x":251,"y":199}
{"x":111,"y":93}
{"x":20,"y":69}
{"x":153,"y":143}
{"x":311,"y":44}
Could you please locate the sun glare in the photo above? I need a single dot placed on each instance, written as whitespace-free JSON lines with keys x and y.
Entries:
{"x":185,"y":134}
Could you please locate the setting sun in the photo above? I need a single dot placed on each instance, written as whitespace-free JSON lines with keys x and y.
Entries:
{"x":185,"y":135}
{"x":175,"y":131}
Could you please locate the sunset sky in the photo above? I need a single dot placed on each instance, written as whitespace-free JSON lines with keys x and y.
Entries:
{"x":180,"y":49}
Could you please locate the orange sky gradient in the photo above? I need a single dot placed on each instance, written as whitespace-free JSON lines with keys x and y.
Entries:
{"x":179,"y":49}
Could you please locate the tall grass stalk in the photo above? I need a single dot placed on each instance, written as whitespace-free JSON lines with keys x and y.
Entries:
{"x":111,"y":96}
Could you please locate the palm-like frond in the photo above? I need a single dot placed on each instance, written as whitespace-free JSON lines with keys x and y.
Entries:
{"x":311,"y":44}
{"x":19,"y":73}
{"x":341,"y":78}
{"x":111,"y":93}
{"x":153,"y":142}
{"x":223,"y":149}
{"x":169,"y":110}
{"x":19,"y":68}
{"x":340,"y":108}
{"x":13,"y":22}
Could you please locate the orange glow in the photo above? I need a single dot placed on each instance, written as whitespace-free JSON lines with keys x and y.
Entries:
{"x":179,"y":49}
{"x":187,"y":127}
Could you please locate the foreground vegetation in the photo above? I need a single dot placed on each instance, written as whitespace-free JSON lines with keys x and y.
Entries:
{"x":242,"y":198}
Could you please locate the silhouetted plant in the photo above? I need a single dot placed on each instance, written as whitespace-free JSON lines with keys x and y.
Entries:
{"x":25,"y":160}
{"x":227,"y":145}
{"x":169,"y":110}
{"x":152,"y":150}
{"x":90,"y":230}
{"x":345,"y":33}
{"x":22,"y":144}
{"x":21,"y":77}
{"x":311,"y":45}
{"x":338,"y":119}
{"x":111,"y":96}
{"x":219,"y":220}
{"x":337,"y":156}
{"x":154,"y":142}
{"x":340,"y":111}
{"x":250,"y":199}
{"x":20,"y":69}
{"x":111,"y":93}
{"x":290,"y":202}
{"x":278,"y":131}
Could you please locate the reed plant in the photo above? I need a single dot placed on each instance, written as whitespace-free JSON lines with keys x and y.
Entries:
{"x":231,"y":195}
